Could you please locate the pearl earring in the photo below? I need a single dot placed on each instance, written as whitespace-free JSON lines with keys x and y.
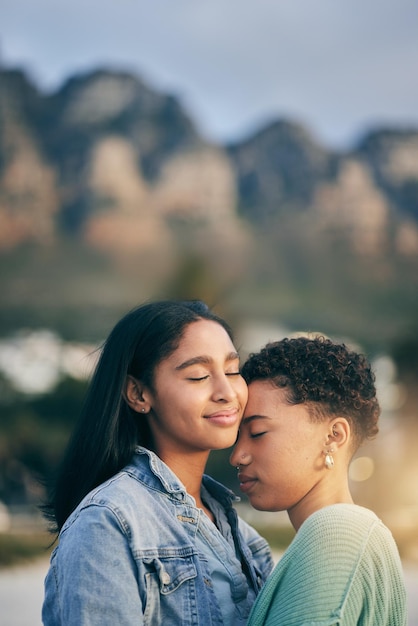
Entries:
{"x":329,"y":459}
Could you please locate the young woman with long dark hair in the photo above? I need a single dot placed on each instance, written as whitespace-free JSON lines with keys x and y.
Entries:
{"x":146,"y":537}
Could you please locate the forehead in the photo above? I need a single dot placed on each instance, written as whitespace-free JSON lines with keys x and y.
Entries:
{"x":268,"y":402}
{"x":204,"y":333}
{"x":264,"y":397}
{"x":203,"y":338}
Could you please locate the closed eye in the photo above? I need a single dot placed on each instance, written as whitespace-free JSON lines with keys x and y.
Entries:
{"x":197,"y":378}
{"x":256,"y":435}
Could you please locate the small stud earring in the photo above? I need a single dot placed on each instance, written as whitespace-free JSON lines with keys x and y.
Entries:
{"x":142,"y":410}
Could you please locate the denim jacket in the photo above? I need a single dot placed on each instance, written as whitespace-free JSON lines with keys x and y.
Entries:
{"x":127,"y":554}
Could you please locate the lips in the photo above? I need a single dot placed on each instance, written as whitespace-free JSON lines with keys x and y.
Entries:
{"x":226,"y":417}
{"x":246,"y":482}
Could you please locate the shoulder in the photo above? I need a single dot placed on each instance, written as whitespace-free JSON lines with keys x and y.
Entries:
{"x":342,"y":520}
{"x":122,"y":498}
{"x":342,"y":530}
{"x":347,"y":532}
{"x":344,"y":512}
{"x":336,"y":552}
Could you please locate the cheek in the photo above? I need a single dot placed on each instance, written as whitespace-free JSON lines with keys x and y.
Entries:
{"x":309,"y":457}
{"x":280,"y":460}
{"x":243,"y":393}
{"x":271,"y":458}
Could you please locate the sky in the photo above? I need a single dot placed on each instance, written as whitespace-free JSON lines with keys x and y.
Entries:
{"x":338,"y":67}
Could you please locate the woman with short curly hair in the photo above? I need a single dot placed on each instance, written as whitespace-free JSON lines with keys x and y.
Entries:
{"x":311,"y":404}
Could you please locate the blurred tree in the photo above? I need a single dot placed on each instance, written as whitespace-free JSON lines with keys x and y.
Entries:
{"x":405,"y":354}
{"x":33,"y":433}
{"x":193,"y":280}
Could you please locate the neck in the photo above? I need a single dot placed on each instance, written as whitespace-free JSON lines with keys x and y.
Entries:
{"x":315,"y":501}
{"x":189,"y":469}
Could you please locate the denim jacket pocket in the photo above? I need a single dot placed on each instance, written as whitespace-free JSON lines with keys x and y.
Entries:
{"x":171,"y":589}
{"x":171,"y":572}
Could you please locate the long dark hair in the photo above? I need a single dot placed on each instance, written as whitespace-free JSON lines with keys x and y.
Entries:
{"x":108,"y":430}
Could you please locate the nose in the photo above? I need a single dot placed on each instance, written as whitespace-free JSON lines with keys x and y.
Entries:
{"x":224,"y":390}
{"x":239,"y":456}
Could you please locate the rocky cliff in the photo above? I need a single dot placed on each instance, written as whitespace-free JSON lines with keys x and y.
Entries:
{"x":108,"y":166}
{"x":105,"y":159}
{"x":109,"y":160}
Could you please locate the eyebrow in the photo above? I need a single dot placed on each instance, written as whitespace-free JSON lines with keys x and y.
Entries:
{"x":253,"y":418}
{"x":205,"y":360}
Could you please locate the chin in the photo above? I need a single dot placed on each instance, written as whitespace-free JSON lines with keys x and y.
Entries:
{"x":259,"y":506}
{"x":270,"y":508}
{"x":225,"y":442}
{"x":262,"y":505}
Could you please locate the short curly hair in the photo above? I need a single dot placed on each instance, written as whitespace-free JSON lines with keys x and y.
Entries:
{"x":326,"y":376}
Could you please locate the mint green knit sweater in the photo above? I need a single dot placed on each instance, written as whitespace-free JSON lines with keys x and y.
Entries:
{"x":341,"y":569}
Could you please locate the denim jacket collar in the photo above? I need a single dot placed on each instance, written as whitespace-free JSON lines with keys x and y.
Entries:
{"x":163,"y":478}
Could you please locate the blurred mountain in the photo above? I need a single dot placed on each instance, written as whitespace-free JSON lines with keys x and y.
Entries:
{"x":103,"y":152}
{"x":106,"y":172}
{"x":369,"y":192}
